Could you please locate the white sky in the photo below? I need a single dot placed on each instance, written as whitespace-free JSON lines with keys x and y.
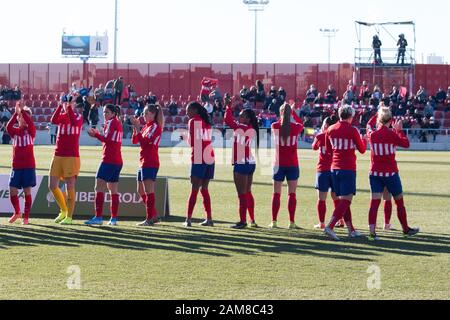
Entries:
{"x":216,"y":31}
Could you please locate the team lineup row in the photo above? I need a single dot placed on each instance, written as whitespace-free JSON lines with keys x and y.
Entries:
{"x":336,"y":168}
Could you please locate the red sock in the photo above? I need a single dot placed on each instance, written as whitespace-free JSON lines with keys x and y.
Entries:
{"x":321,"y":210}
{"x":28,"y":202}
{"x":243,"y":207}
{"x":336,"y":203}
{"x":387,"y":211}
{"x":292,"y":205}
{"x":401,"y":214}
{"x":338,"y":213}
{"x":144,"y":198}
{"x":99,"y":200}
{"x":251,"y":206}
{"x":373,"y":211}
{"x":15,"y":204}
{"x":114,"y":205}
{"x":275,"y":205}
{"x":348,"y":220}
{"x":150,"y":206}
{"x":191,"y":203}
{"x":207,"y":203}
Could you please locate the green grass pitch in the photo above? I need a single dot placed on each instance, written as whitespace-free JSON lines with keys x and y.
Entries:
{"x":169,"y":262}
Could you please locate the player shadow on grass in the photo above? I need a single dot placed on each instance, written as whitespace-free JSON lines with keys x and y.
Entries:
{"x":222,"y":241}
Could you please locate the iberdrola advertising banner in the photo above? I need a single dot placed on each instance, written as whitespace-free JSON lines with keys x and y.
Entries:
{"x":130,"y":204}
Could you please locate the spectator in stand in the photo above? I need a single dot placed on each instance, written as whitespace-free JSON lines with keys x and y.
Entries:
{"x":319,"y":99}
{"x":281,"y":96}
{"x":394,"y":95}
{"x":118,"y":90}
{"x":376,"y":95}
{"x":209,"y":109}
{"x":6,"y":138}
{"x":440,"y":96}
{"x":244,"y":93}
{"x":251,"y":96}
{"x":428,"y":110}
{"x":311,"y":94}
{"x":93,"y":116}
{"x":218,"y":108}
{"x":435,"y":125}
{"x":86,"y":110}
{"x":99,"y":94}
{"x":351,"y":87}
{"x":423,"y":136}
{"x":305,"y":109}
{"x":173,"y":106}
{"x":17,"y":95}
{"x":447,"y":102}
{"x":152,"y":99}
{"x":273,"y":92}
{"x":5,"y":114}
{"x":216,"y":94}
{"x":260,"y":93}
{"x":274,"y":107}
{"x":364,"y":93}
{"x":421,"y":95}
{"x":330,"y":95}
{"x":308,"y":122}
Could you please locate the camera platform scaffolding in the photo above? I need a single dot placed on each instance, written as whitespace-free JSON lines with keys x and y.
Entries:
{"x":389,"y":69}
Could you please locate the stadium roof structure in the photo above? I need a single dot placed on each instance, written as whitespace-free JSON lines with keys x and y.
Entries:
{"x":370,"y":24}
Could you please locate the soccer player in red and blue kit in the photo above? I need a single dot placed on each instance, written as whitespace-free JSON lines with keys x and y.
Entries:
{"x":343,"y":139}
{"x":285,"y":136}
{"x":149,"y":138}
{"x":23,"y":175}
{"x":384,"y":171}
{"x":387,"y":205}
{"x":244,"y":162}
{"x":66,"y":160}
{"x":324,"y":181}
{"x":109,"y":171}
{"x":199,"y":137}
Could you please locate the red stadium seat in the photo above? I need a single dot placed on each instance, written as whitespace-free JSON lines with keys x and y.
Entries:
{"x":26,"y":97}
{"x":38,"y":111}
{"x":438,"y":115}
{"x":11,"y":103}
{"x":48,"y":111}
{"x":446,"y":124}
{"x":36,"y":104}
{"x":48,"y":118}
{"x":169,"y":120}
{"x":45,"y":104}
{"x":28,"y":103}
{"x":42,"y":97}
{"x":54,"y":104}
{"x":185,"y":120}
{"x":50,"y":97}
{"x":34,"y":97}
{"x":177,"y":120}
{"x":182,"y":112}
{"x":447,"y":115}
{"x":40,"y":119}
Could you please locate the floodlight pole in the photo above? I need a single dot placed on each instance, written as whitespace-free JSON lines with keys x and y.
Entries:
{"x":255,"y":6}
{"x":329,"y":33}
{"x":115,"y":33}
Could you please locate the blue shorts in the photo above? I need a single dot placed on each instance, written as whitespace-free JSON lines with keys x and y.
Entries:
{"x":109,"y":172}
{"x":244,"y":169}
{"x":324,"y":181}
{"x":393,"y":184}
{"x":203,"y":171}
{"x":22,"y":178}
{"x":147,"y":174}
{"x":344,"y":182}
{"x":288,"y":173}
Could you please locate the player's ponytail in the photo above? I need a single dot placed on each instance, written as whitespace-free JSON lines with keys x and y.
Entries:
{"x":249,"y":113}
{"x":159,"y":115}
{"x":285,"y":112}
